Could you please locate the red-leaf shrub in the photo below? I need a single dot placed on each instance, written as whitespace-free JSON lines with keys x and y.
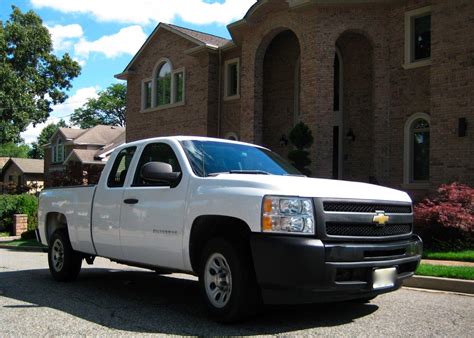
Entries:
{"x":446,"y":219}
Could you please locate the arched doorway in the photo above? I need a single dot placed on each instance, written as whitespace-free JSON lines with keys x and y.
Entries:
{"x":281,"y":88}
{"x":353,"y":66}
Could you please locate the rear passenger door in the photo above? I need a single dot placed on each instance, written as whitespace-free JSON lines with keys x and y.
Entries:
{"x":107,"y":206}
{"x":151,"y":228}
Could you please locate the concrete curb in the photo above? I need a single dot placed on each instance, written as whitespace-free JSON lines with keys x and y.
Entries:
{"x":441,"y":284}
{"x":23,"y":248}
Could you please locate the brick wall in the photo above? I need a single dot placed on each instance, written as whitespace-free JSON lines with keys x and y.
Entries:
{"x":20,"y":224}
{"x":192,"y":118}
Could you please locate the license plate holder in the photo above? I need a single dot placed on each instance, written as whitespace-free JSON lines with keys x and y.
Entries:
{"x":383,"y":278}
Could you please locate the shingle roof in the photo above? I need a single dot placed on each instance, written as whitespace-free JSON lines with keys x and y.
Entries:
{"x":72,"y":133}
{"x":99,"y":135}
{"x":119,"y":140}
{"x":84,"y":156}
{"x":28,"y":165}
{"x":3,"y":161}
{"x":205,"y":38}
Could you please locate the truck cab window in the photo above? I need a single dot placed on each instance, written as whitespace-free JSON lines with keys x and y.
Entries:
{"x":155,"y":152}
{"x":118,"y":173}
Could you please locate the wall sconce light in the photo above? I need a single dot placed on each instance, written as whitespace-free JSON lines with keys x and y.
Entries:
{"x":462,"y":127}
{"x":283,"y":141}
{"x":350,"y":135}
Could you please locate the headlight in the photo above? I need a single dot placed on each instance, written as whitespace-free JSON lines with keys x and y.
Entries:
{"x":288,"y":215}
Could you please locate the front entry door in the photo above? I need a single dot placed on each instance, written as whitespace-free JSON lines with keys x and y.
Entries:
{"x":151,"y":228}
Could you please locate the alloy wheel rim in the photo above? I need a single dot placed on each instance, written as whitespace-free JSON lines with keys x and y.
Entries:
{"x":58,"y":255}
{"x":218,"y":280}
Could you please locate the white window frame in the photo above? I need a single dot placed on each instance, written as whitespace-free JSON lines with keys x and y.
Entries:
{"x":231,"y":136}
{"x":57,"y":149}
{"x":227,"y":63}
{"x":173,"y":102}
{"x":408,"y":152}
{"x":409,"y":18}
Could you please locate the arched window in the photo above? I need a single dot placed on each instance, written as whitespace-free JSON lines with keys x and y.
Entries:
{"x":417,"y":148}
{"x":163,"y":85}
{"x":164,"y":88}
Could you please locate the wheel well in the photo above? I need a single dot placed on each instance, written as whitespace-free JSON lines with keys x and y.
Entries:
{"x":210,"y":226}
{"x":54,"y":221}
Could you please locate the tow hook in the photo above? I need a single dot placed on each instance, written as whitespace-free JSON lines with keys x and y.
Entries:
{"x":90,"y":259}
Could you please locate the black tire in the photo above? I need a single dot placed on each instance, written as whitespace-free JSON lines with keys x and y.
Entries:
{"x":244,"y":297}
{"x":64,"y":262}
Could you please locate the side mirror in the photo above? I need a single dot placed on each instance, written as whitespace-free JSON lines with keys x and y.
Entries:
{"x":159,"y":172}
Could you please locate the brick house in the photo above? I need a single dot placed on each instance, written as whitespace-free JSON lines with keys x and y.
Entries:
{"x":386,"y":86}
{"x":22,"y":175}
{"x":77,"y":156}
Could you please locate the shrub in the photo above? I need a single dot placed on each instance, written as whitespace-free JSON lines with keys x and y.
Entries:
{"x":446,"y":219}
{"x":301,"y":137}
{"x":18,"y":204}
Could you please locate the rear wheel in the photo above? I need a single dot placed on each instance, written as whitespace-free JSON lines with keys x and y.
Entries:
{"x":227,"y":281}
{"x":64,"y":262}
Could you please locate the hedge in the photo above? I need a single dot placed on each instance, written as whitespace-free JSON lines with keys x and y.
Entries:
{"x":18,"y":204}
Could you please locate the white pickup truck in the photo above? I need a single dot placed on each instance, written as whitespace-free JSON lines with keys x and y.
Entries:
{"x":238,"y":216}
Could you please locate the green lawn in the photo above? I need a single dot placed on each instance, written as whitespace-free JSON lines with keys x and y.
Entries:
{"x":4,"y":234}
{"x":461,"y":272}
{"x":24,"y":243}
{"x":465,"y":255}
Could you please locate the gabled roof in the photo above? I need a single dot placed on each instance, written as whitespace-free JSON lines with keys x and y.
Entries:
{"x":71,"y":133}
{"x":3,"y":161}
{"x":201,"y":39}
{"x":208,"y":39}
{"x":26,"y":165}
{"x":99,"y":135}
{"x":85,"y":156}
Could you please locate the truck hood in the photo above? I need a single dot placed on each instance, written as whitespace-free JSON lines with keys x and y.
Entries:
{"x":313,"y":187}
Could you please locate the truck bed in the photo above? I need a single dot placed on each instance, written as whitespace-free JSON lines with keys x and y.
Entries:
{"x":76,"y":204}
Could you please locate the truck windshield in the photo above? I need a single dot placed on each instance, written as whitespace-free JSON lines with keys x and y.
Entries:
{"x":211,"y":158}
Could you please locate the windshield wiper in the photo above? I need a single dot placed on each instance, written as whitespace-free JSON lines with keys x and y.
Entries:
{"x":248,"y":172}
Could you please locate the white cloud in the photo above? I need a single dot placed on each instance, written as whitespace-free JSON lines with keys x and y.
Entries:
{"x":127,"y":41}
{"x":64,"y":36}
{"x":61,"y":111}
{"x":153,"y":11}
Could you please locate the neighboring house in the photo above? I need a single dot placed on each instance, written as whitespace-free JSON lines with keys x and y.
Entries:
{"x":77,"y":156}
{"x":22,"y":175}
{"x":386,"y":86}
{"x":3,"y":161}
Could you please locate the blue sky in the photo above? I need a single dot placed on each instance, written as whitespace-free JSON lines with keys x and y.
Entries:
{"x":103,"y":35}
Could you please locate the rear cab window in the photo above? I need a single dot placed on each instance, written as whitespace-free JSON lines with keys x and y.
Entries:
{"x":119,"y":170}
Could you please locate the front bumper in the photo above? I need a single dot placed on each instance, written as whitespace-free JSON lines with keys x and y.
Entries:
{"x":292,"y":269}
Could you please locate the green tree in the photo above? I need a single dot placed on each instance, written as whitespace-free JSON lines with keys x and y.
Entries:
{"x":37,"y":150}
{"x":32,"y":78}
{"x":108,"y":108}
{"x":14,"y":150}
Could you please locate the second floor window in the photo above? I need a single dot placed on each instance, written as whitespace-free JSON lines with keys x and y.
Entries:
{"x":418,"y":36}
{"x":163,"y":85}
{"x":165,"y":88}
{"x":58,"y":151}
{"x":232,"y":79}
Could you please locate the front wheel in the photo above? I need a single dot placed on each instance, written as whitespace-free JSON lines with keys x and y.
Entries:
{"x":227,"y":281}
{"x":64,"y":262}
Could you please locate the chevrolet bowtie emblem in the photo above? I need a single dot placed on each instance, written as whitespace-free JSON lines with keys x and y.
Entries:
{"x":380,"y":218}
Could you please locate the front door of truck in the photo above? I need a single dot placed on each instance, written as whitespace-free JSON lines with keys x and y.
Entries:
{"x":107,"y":204}
{"x":151,"y":224}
